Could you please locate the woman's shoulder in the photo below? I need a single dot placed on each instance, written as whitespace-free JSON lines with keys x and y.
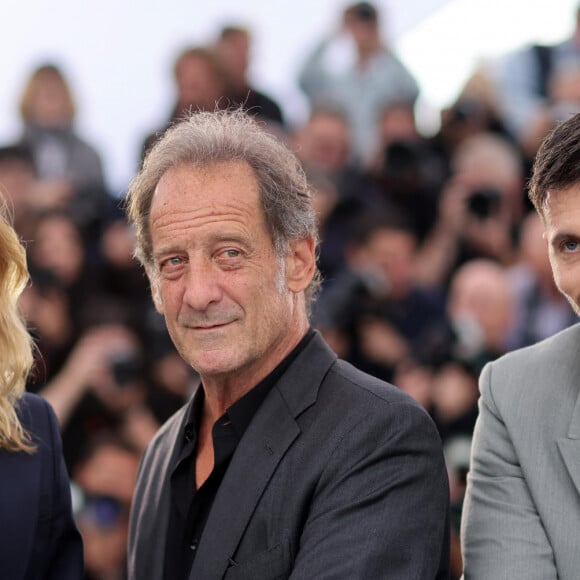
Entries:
{"x":35,"y":414}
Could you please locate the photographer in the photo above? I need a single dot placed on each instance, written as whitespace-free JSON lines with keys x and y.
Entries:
{"x":480,"y":210}
{"x":101,"y":391}
{"x":374,"y":314}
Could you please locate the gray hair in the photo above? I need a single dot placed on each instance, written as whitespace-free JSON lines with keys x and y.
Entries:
{"x":206,"y":138}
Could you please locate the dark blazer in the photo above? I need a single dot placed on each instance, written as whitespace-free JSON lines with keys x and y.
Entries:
{"x":339,"y":475}
{"x":38,"y":537}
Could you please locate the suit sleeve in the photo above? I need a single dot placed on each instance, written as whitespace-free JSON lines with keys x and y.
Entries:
{"x":502,"y":533}
{"x":381,"y":506}
{"x":65,"y":560}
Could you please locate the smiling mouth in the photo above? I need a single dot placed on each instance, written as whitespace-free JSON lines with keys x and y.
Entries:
{"x":210,"y":326}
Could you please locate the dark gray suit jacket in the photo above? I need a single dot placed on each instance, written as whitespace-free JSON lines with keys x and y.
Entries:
{"x":339,"y":475}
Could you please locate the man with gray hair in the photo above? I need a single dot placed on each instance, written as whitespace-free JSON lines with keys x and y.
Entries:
{"x":287,"y":462}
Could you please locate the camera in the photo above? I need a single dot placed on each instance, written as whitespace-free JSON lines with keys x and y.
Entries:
{"x":127,"y":368}
{"x":484,"y":203}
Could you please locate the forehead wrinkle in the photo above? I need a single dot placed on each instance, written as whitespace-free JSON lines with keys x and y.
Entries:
{"x":170,"y":226}
{"x":187,"y":201}
{"x":176,"y":210}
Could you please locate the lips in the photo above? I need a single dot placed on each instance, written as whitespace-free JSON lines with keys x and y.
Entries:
{"x":198,"y":321}
{"x":210,"y":326}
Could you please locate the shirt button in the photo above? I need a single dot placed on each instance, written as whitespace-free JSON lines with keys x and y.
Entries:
{"x":193,"y":546}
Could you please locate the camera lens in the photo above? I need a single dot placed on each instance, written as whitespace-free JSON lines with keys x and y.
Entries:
{"x":483,"y":203}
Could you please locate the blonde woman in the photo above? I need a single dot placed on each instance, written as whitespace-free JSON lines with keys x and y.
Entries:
{"x":38,"y":537}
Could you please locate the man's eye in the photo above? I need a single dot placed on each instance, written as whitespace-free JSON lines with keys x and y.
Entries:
{"x":570,"y":246}
{"x":171,"y":263}
{"x":231,"y":253}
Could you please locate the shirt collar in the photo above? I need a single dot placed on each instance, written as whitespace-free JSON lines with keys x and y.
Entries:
{"x":243,"y":410}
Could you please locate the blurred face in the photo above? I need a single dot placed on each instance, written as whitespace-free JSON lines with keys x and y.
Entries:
{"x":107,"y":480}
{"x":562,"y":232}
{"x":17,"y":179}
{"x":50,"y":106}
{"x":229,"y":308}
{"x":393,"y":252}
{"x":397,"y":124}
{"x":59,"y":248}
{"x":197,"y":83}
{"x":454,"y":392}
{"x":481,"y":293}
{"x":364,"y":30}
{"x":324,"y":142}
{"x":234,"y":51}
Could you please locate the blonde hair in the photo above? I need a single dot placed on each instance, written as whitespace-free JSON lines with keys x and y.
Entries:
{"x":16,"y":356}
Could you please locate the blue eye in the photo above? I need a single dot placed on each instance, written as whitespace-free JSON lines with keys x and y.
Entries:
{"x":570,"y":246}
{"x":171,"y":265}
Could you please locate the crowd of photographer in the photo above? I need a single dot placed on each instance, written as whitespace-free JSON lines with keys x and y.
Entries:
{"x":433,"y":262}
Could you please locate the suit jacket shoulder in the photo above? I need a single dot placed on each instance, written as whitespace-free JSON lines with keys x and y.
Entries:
{"x":39,"y":537}
{"x":543,"y":378}
{"x":330,"y":458}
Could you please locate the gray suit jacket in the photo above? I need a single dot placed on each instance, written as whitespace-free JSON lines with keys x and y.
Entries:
{"x":339,"y":475}
{"x":521,"y":517}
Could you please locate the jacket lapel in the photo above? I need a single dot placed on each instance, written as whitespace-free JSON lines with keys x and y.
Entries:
{"x":570,"y":446}
{"x":270,"y":434}
{"x":151,"y":523}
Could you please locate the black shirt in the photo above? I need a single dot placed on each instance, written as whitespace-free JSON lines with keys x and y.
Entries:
{"x":190,"y":507}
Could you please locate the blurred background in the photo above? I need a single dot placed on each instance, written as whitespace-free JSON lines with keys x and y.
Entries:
{"x":118,"y":55}
{"x":416,"y":123}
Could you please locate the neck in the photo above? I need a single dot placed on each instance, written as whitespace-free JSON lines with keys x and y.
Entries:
{"x":367,"y":51}
{"x":222,"y":391}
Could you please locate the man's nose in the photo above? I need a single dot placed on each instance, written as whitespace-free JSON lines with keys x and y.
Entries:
{"x":202,"y":285}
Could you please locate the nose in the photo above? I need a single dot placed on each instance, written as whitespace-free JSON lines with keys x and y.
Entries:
{"x":202,"y":286}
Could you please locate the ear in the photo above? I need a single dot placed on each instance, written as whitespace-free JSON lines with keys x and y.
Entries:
{"x":300,"y":264}
{"x":153,"y":283}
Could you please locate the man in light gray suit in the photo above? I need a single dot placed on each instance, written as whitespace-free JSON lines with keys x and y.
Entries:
{"x":286,"y":463}
{"x":521,"y":517}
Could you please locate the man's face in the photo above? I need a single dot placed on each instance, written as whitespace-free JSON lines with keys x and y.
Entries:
{"x":220,"y":285}
{"x":562,"y":232}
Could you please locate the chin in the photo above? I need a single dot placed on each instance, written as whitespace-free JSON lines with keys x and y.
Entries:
{"x":214,"y":364}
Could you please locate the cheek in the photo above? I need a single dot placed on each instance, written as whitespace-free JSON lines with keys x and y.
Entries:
{"x":168,"y":295}
{"x":566,"y":276}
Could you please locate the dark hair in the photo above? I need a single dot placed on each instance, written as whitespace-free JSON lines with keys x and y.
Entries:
{"x":557,"y":163}
{"x":367,"y":224}
{"x":232,"y":30}
{"x":364,"y":11}
{"x":18,"y":153}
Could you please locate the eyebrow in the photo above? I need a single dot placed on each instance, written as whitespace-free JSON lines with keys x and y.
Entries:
{"x":564,"y":236}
